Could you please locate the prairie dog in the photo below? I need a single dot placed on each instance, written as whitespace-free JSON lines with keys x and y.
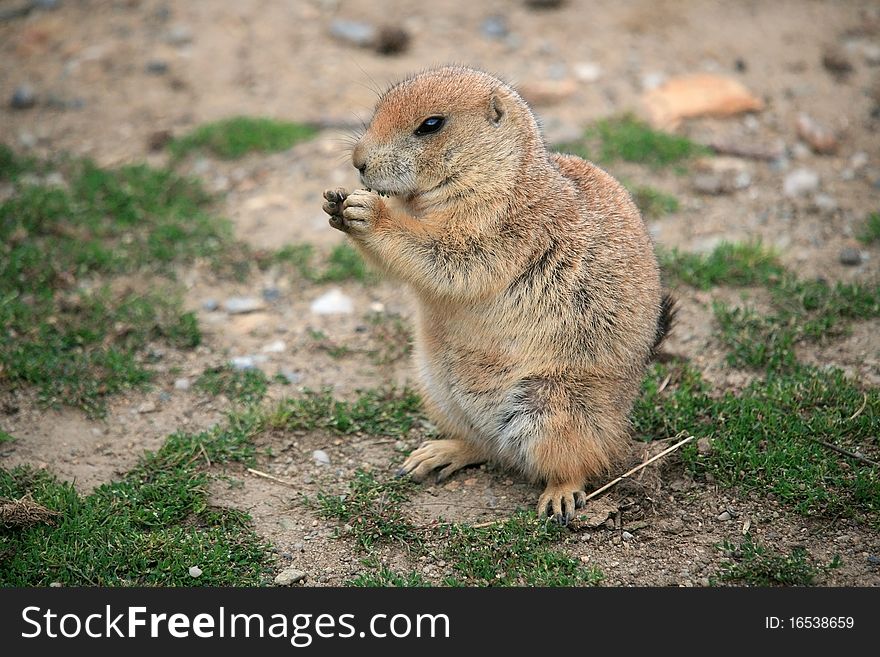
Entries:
{"x":539,"y":298}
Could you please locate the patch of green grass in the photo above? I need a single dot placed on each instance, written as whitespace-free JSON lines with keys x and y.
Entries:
{"x":244,"y":386}
{"x":764,"y":439}
{"x":727,"y":264}
{"x":12,"y":165}
{"x":756,"y":565}
{"x":378,"y":575}
{"x":237,"y":136}
{"x":652,"y":202}
{"x":371,"y":510}
{"x":61,"y":245}
{"x":321,"y":342}
{"x":5,"y":437}
{"x":386,"y":412}
{"x":516,"y":552}
{"x":803,"y":311}
{"x":343,"y":263}
{"x":684,"y":403}
{"x":146,"y":530}
{"x":870,"y":232}
{"x":628,"y":138}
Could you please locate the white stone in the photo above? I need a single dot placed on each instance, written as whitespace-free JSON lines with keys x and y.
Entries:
{"x":275,"y":347}
{"x":320,"y":456}
{"x":334,"y":302}
{"x":587,"y":71}
{"x":195,"y":571}
{"x":800,"y":182}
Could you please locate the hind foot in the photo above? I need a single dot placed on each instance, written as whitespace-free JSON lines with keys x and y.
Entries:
{"x":561,"y":500}
{"x":450,"y":455}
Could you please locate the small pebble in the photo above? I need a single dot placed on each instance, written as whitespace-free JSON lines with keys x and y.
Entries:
{"x":210,"y":305}
{"x":195,"y":571}
{"x":334,"y":302}
{"x":874,"y":560}
{"x":356,"y":33}
{"x":157,"y":67}
{"x":275,"y":347}
{"x":704,"y":446}
{"x":147,"y":407}
{"x":320,"y":456}
{"x":245,"y":363}
{"x":58,"y":585}
{"x":800,"y":182}
{"x":242,"y":305}
{"x":24,"y":97}
{"x":850,"y":257}
{"x":724,"y":516}
{"x":181,"y":384}
{"x":293,"y":377}
{"x":179,"y":35}
{"x":836,"y":62}
{"x":626,"y":536}
{"x":289,"y":576}
{"x":825,"y":203}
{"x":271,"y":293}
{"x":494,"y":27}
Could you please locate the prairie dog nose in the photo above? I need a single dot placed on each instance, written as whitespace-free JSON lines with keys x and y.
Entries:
{"x":359,"y":158}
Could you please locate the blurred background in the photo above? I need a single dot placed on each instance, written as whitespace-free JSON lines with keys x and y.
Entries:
{"x":165,"y":265}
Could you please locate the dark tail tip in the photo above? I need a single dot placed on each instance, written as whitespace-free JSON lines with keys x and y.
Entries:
{"x":664,"y":322}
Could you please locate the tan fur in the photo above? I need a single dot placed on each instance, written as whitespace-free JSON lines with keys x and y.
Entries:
{"x":537,"y":285}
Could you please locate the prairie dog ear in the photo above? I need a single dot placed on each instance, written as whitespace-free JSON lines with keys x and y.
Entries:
{"x":499,"y":103}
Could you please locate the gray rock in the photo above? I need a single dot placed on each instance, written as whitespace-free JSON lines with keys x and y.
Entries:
{"x":195,"y":571}
{"x":157,"y":67}
{"x":164,"y":396}
{"x":874,"y":560}
{"x":148,"y":407}
{"x":704,"y":446}
{"x":179,"y":35}
{"x":495,"y":27}
{"x":626,"y":536}
{"x":724,"y":516}
{"x":24,"y":97}
{"x":210,"y":305}
{"x":241,"y":305}
{"x":850,"y":256}
{"x":181,"y":384}
{"x":271,"y":293}
{"x":825,"y":203}
{"x":800,"y":182}
{"x":320,"y":456}
{"x":290,"y":576}
{"x":356,"y":33}
{"x":293,"y":377}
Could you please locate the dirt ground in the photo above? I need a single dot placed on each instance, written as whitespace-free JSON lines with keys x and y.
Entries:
{"x":88,"y":62}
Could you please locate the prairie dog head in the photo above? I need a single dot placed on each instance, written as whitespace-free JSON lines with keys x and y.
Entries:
{"x":444,"y":133}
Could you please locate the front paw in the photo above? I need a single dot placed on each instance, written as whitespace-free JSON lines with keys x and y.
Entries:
{"x":333,"y":201}
{"x":360,"y":210}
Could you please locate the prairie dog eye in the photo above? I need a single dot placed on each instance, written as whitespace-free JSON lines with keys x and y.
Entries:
{"x":429,"y":125}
